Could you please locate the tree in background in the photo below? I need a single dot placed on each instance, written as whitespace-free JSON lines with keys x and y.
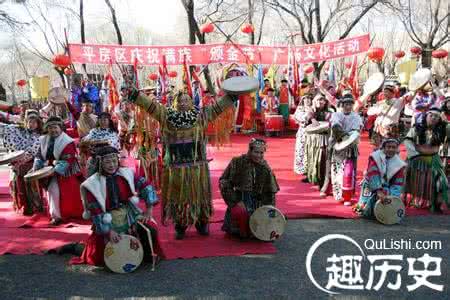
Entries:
{"x":425,"y":22}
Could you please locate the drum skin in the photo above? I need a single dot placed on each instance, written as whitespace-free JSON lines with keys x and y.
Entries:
{"x":11,"y":157}
{"x":390,"y":213}
{"x":267,"y":223}
{"x":121,"y":257}
{"x":39,"y":174}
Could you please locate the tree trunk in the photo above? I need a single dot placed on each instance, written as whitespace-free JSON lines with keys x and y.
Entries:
{"x":250,"y":21}
{"x":194,"y":32}
{"x":114,"y":20}
{"x":426,"y":57}
{"x":82,"y":31}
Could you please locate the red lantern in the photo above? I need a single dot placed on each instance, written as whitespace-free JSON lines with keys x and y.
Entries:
{"x":22,"y":83}
{"x":376,"y":54}
{"x":247,"y":28}
{"x":309,"y":69}
{"x":68,"y":71}
{"x":285,"y":71}
{"x":416,"y":50}
{"x":61,"y":60}
{"x":197,"y":69}
{"x":207,"y":28}
{"x":153,"y":76}
{"x":399,"y":54}
{"x":440,"y":53}
{"x":265,"y":70}
{"x":348,"y":64}
{"x":173,"y":74}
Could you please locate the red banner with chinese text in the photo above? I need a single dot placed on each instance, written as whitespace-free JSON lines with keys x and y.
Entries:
{"x":216,"y":53}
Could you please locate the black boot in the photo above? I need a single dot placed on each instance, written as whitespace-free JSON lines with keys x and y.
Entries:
{"x":180,"y":232}
{"x":202,"y":228}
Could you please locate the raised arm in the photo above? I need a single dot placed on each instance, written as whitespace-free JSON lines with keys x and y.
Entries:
{"x":150,"y":105}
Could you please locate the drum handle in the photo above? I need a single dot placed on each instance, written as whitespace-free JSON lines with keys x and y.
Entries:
{"x":149,"y":236}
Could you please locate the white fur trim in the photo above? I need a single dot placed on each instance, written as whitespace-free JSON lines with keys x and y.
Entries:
{"x":96,"y":185}
{"x":86,"y":215}
{"x":395,"y":164}
{"x":134,"y":200}
{"x":60,"y":143}
{"x":107,"y":218}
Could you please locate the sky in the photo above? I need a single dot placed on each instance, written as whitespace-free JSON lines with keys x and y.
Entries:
{"x":156,"y":15}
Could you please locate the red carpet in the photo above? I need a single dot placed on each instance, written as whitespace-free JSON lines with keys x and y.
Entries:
{"x":25,"y":235}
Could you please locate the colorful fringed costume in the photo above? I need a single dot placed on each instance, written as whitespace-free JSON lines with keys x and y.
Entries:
{"x":316,"y":149}
{"x":186,"y":187}
{"x":426,"y":181}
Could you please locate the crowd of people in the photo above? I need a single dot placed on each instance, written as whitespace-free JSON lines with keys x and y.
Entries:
{"x":86,"y":145}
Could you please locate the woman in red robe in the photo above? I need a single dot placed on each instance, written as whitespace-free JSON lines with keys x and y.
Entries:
{"x":110,"y":201}
{"x":57,"y":149}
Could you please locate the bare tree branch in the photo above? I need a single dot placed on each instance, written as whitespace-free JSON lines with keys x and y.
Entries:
{"x":115,"y":23}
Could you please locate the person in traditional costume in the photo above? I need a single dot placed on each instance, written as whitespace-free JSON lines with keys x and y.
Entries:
{"x":424,"y":98}
{"x":86,"y":119}
{"x":104,"y":130}
{"x":387,"y":112}
{"x":244,"y":112}
{"x":270,"y":103}
{"x":57,"y":149}
{"x":125,"y":117}
{"x":426,"y":182}
{"x":111,"y":200}
{"x":25,"y":195}
{"x":247,"y":184}
{"x":445,"y":107}
{"x":316,"y":144}
{"x":186,"y":187}
{"x":284,"y":99}
{"x":344,"y":162}
{"x":384,"y":176}
{"x":301,"y":116}
{"x":445,"y":148}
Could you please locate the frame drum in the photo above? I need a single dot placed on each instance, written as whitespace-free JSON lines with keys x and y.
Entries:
{"x":267,"y":223}
{"x":39,"y":174}
{"x":121,"y":257}
{"x":240,"y":85}
{"x":11,"y":157}
{"x":390,"y":213}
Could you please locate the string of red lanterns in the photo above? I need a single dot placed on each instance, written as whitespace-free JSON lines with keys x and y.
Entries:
{"x":21,"y":83}
{"x":376,"y":54}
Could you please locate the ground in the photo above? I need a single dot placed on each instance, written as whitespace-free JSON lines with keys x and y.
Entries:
{"x":282,"y":275}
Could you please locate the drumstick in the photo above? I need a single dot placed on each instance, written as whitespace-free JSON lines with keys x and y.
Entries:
{"x":149,"y":236}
